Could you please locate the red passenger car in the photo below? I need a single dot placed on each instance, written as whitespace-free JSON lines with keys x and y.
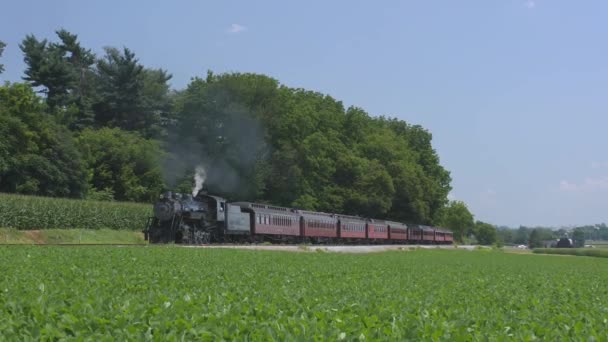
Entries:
{"x":414,"y":233}
{"x":439,"y":236}
{"x":428,"y":234}
{"x":316,"y":224}
{"x":443,"y":236}
{"x":449,"y":237}
{"x":377,"y":229}
{"x":397,"y":231}
{"x":352,"y":227}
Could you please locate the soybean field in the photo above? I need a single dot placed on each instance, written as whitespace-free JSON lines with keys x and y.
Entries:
{"x":172,"y":293}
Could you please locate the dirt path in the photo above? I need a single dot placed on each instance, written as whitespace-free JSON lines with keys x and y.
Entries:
{"x":34,"y":235}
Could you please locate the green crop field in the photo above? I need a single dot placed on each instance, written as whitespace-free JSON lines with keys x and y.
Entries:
{"x":592,"y":252}
{"x":33,"y":212}
{"x":172,"y":293}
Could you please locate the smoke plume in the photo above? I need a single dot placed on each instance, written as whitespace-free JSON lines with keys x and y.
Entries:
{"x":222,"y":133}
{"x":199,"y":179}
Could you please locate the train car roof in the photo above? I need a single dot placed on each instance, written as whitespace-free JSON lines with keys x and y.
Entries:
{"x":378,"y":222}
{"x":309,"y":215}
{"x":350,"y":218}
{"x":443,"y":230}
{"x":422,"y":227}
{"x":394,"y":224}
{"x":259,"y":207}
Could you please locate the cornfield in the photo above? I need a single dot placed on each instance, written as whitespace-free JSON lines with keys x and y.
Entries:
{"x":31,"y":212}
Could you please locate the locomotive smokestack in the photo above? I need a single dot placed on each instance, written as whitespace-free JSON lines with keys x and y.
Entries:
{"x":199,"y":179}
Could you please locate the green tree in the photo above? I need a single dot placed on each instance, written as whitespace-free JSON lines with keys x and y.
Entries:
{"x":63,"y":71}
{"x":506,"y":235}
{"x":485,"y":233}
{"x":59,"y":68}
{"x":37,"y":156}
{"x":129,"y":96}
{"x":2,"y":46}
{"x":457,"y":217}
{"x":535,"y":239}
{"x":522,"y":235}
{"x":578,"y":237}
{"x":219,"y":124}
{"x":121,"y":164}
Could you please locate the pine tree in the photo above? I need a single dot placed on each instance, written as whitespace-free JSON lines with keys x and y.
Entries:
{"x":2,"y":46}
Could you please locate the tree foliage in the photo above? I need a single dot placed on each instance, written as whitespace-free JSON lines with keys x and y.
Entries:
{"x":122,"y":164}
{"x":2,"y":46}
{"x":535,"y":240}
{"x":457,"y":217}
{"x":62,"y":71}
{"x":259,"y":140}
{"x":485,"y":233}
{"x":37,"y":156}
{"x":578,"y":237}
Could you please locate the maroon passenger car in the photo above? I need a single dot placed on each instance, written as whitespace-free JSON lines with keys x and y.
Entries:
{"x":352,"y":227}
{"x":377,"y":229}
{"x":318,"y":225}
{"x":397,"y":231}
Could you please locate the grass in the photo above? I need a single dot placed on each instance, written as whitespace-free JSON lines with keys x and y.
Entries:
{"x":171,"y":293}
{"x":70,"y":236}
{"x":592,"y":252}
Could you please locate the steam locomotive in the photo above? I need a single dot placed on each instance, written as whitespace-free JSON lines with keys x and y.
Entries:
{"x":203,"y":219}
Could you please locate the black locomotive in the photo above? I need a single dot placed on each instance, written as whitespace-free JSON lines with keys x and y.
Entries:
{"x":184,"y":219}
{"x":202,"y":219}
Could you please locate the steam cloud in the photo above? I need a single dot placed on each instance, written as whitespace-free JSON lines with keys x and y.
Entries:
{"x":226,"y":139}
{"x":199,"y":179}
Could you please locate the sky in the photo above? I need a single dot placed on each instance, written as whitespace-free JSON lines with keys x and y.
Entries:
{"x":515,"y":92}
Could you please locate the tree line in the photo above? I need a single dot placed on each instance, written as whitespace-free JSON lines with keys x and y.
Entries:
{"x":538,"y":236}
{"x":107,"y":127}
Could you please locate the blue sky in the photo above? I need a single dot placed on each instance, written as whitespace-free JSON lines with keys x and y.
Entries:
{"x":515,"y":92}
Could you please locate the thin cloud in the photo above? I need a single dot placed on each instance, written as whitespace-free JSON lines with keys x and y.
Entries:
{"x":599,"y":165}
{"x":236,"y":28}
{"x":588,"y":185}
{"x":530,"y":4}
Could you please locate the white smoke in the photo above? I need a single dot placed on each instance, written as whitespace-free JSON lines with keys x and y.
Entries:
{"x":199,"y":179}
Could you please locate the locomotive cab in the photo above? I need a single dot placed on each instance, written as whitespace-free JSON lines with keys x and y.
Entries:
{"x":216,"y":205}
